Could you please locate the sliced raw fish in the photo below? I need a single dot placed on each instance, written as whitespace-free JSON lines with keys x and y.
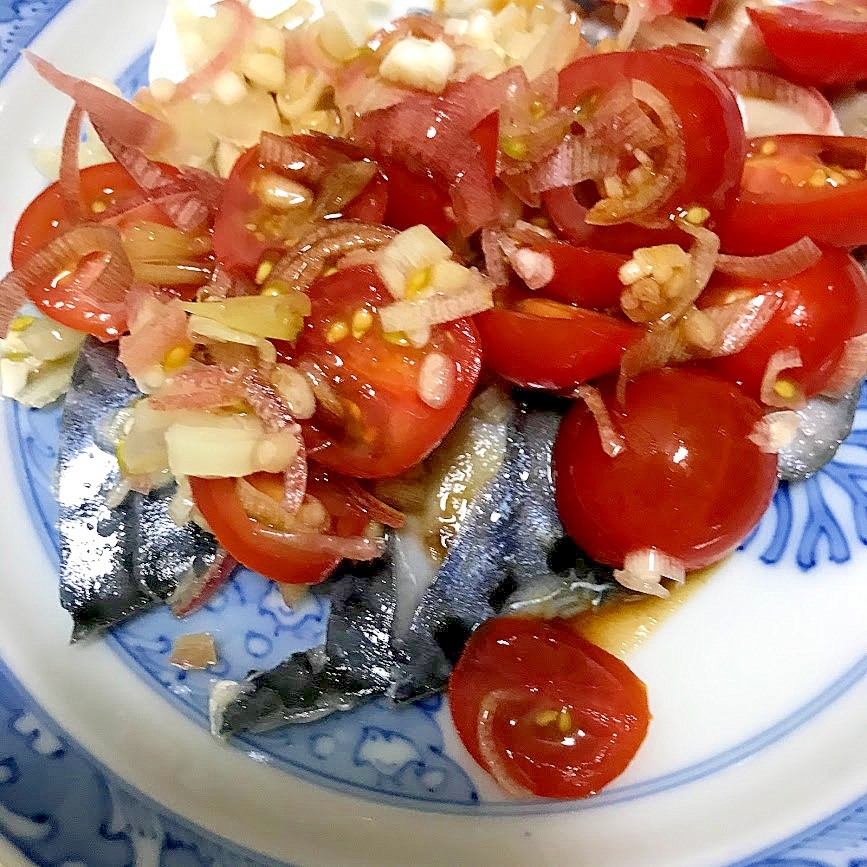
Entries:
{"x":114,"y":562}
{"x":352,"y":667}
{"x":510,"y":537}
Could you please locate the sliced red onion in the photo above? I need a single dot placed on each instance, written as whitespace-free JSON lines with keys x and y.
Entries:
{"x":495,"y":764}
{"x":495,"y":259}
{"x":205,"y":75}
{"x":193,"y":591}
{"x":783,"y":359}
{"x":738,"y":322}
{"x":775,"y":431}
{"x":200,"y":386}
{"x":655,"y":349}
{"x":851,"y":368}
{"x":762,"y":84}
{"x":280,"y":152}
{"x":644,"y":570}
{"x":373,"y":507}
{"x":104,"y":280}
{"x":267,"y":403}
{"x":182,"y":205}
{"x":780,"y":265}
{"x":644,"y":207}
{"x":295,"y":479}
{"x":612,"y":440}
{"x":128,"y":124}
{"x":70,"y":176}
{"x":348,"y":547}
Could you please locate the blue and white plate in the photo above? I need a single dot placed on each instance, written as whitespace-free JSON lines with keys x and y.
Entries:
{"x":758,"y":683}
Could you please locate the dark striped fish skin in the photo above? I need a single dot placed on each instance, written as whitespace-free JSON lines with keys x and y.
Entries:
{"x":114,"y":562}
{"x":354,"y":665}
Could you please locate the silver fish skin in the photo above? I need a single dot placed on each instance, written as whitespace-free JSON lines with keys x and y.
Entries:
{"x":824,"y":423}
{"x":114,"y":562}
{"x":352,"y":667}
{"x":510,"y":537}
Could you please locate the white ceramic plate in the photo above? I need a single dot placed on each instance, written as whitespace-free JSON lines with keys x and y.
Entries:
{"x":757,"y":683}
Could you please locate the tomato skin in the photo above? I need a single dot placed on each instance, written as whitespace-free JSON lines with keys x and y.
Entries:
{"x":768,"y":214}
{"x":415,"y":199}
{"x":821,"y":309}
{"x":711,"y":126}
{"x":237,"y":247}
{"x":816,"y":43}
{"x":553,"y":353}
{"x":44,"y":218}
{"x":582,"y":275}
{"x":243,"y":538}
{"x":539,"y":666}
{"x":688,"y":482}
{"x":387,"y":427}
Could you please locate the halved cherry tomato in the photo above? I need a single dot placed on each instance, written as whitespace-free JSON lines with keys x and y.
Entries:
{"x":102,"y":187}
{"x":797,"y":185}
{"x":247,"y":541}
{"x":238,"y":246}
{"x":415,"y":197}
{"x":821,"y":309}
{"x":823,"y":43}
{"x":377,"y":424}
{"x":688,"y":481}
{"x":711,"y":126}
{"x":583,"y":276}
{"x":447,"y":138}
{"x":544,"y":710}
{"x":539,"y":343}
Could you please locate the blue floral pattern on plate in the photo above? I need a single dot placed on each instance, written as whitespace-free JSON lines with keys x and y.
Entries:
{"x":373,"y":750}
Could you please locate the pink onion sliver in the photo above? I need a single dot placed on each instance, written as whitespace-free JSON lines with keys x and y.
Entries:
{"x":127,"y":123}
{"x":70,"y":175}
{"x":206,"y":74}
{"x":194,"y":593}
{"x":761,"y":84}
{"x":779,"y":265}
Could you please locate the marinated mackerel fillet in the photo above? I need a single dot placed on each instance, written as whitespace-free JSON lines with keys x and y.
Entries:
{"x":556,"y":294}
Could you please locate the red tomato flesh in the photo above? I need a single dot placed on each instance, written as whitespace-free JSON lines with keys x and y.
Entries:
{"x":822,"y":43}
{"x":558,"y":716}
{"x":545,"y":344}
{"x":821,"y":309}
{"x":381,"y":426}
{"x":688,"y":482}
{"x":795,"y":186}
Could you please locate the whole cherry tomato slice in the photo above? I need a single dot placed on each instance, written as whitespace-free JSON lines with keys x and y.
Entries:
{"x":257,"y":215}
{"x":249,"y":543}
{"x":546,"y":344}
{"x":103,"y":186}
{"x":821,"y":308}
{"x":376,"y":423}
{"x":688,"y":481}
{"x":582,"y":276}
{"x":544,"y":710}
{"x":711,"y":126}
{"x":822,"y":43}
{"x":797,"y":185}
